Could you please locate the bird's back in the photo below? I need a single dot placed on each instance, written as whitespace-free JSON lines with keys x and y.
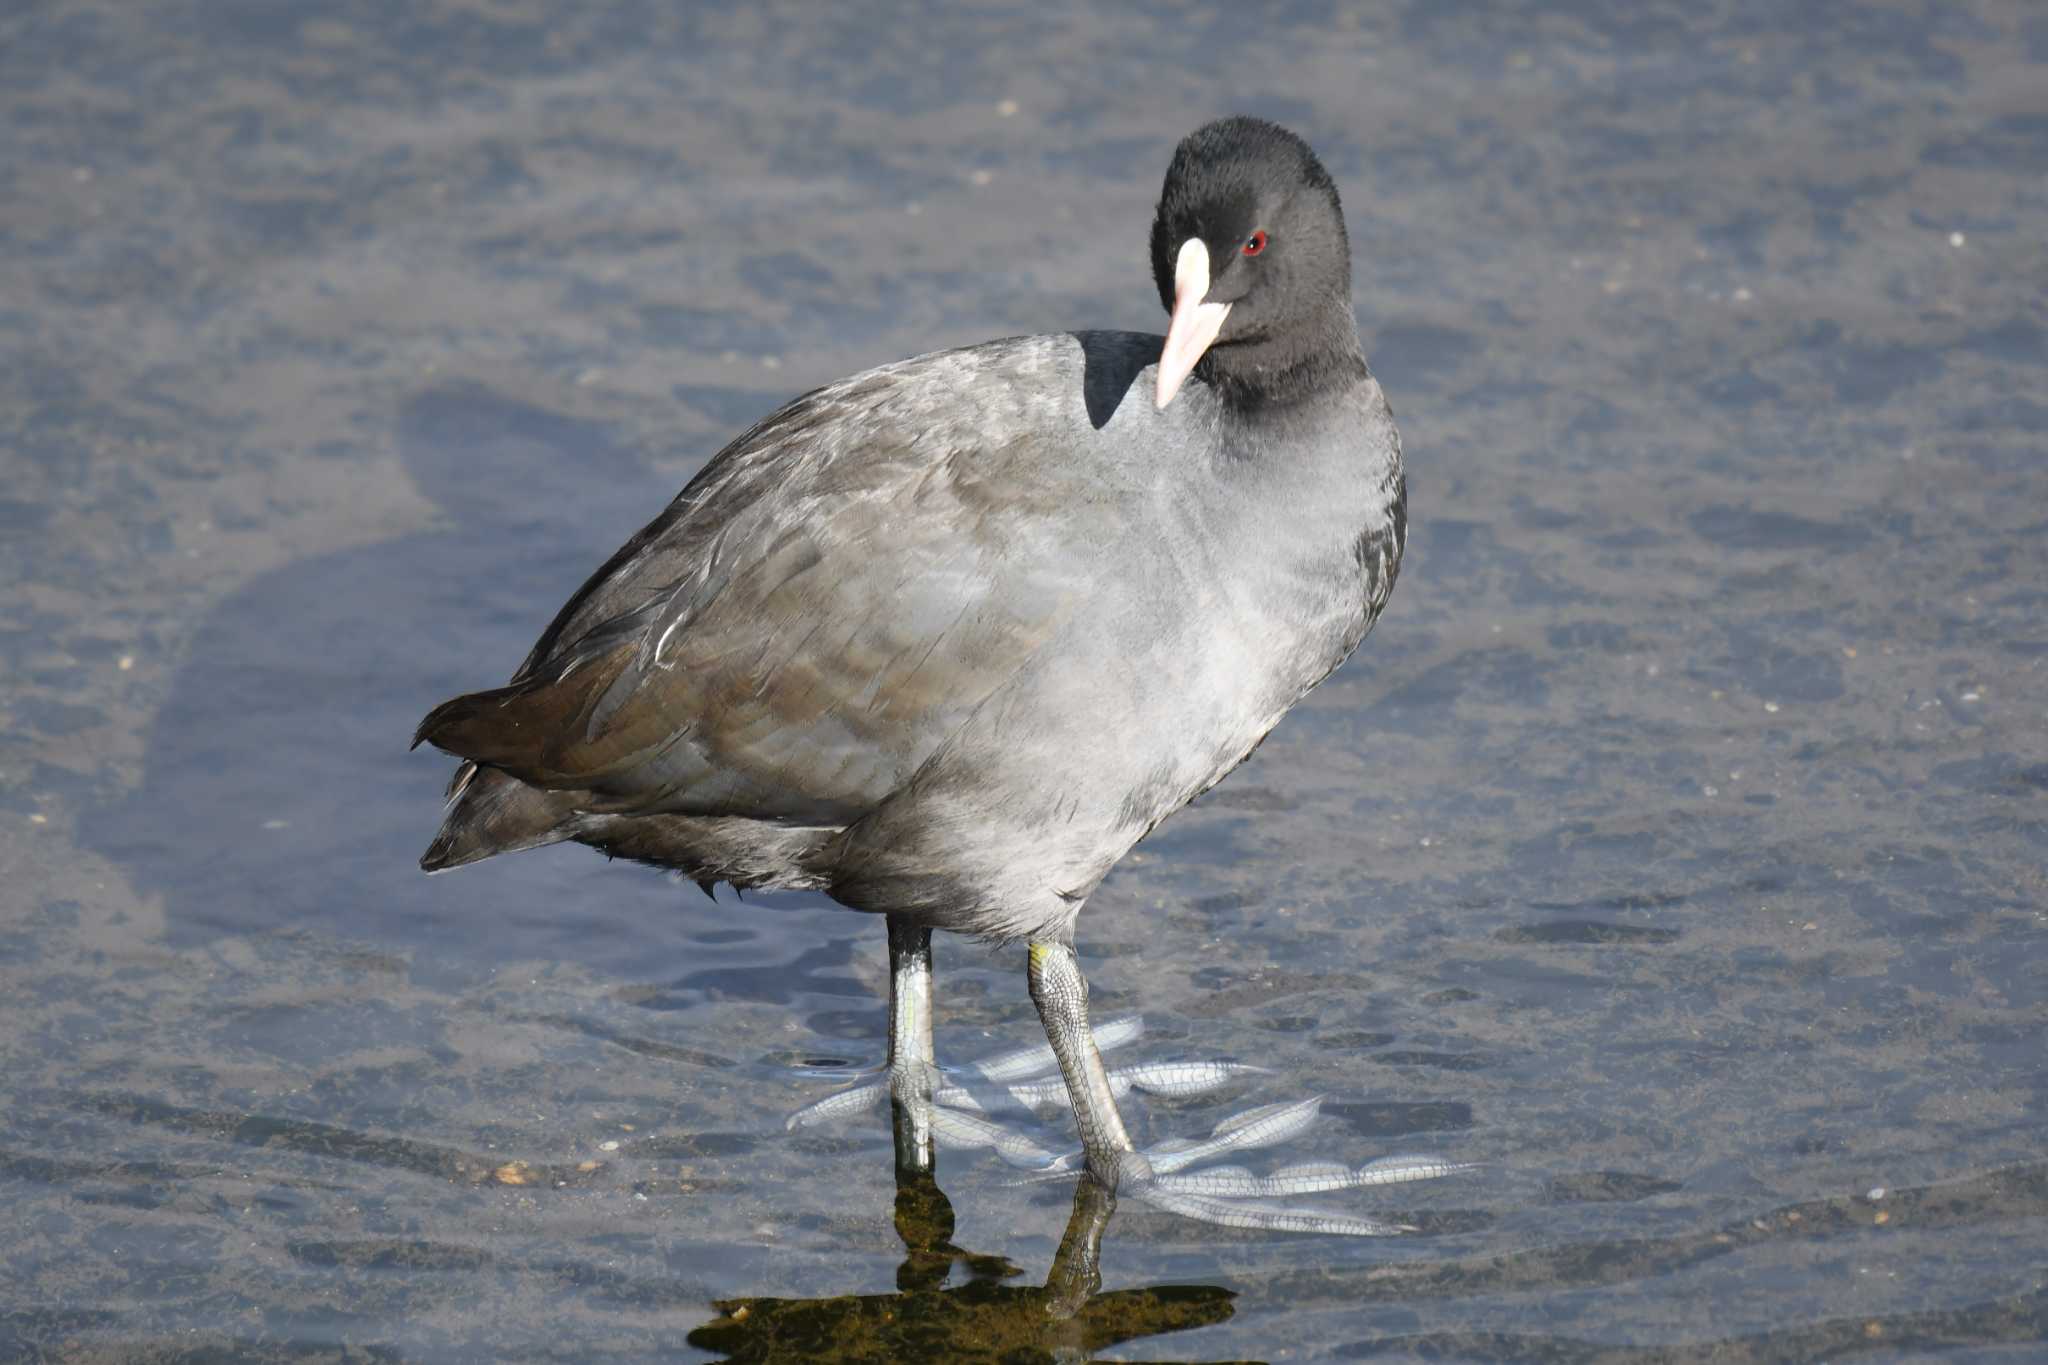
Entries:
{"x":943,"y":638}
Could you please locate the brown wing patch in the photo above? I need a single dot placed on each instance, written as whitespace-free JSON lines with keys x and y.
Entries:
{"x":804,"y":625}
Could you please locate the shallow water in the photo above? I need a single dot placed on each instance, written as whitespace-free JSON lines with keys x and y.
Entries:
{"x":1677,"y":847}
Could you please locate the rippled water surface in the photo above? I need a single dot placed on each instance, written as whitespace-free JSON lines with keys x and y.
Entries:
{"x":1677,"y":847}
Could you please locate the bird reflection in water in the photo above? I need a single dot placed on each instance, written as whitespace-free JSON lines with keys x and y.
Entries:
{"x":980,"y":1318}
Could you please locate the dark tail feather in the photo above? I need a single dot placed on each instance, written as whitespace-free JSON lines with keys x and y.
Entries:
{"x":535,"y":729}
{"x":444,"y":714}
{"x":460,"y":724}
{"x":492,"y":812}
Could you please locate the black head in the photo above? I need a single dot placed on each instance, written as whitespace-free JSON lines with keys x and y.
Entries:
{"x":1268,"y":215}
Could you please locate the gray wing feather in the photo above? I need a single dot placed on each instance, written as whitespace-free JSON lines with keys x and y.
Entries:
{"x":800,"y":629}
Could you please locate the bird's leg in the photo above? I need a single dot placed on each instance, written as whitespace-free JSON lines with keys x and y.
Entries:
{"x":1061,"y":994}
{"x":1176,"y":1176}
{"x":912,"y":1071}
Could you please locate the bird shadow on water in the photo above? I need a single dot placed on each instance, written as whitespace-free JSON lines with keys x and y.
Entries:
{"x":278,"y":792}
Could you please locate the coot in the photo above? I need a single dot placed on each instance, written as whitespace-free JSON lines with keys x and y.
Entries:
{"x":945,"y":638}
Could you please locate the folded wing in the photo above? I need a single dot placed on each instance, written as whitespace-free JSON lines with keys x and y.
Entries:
{"x":808,"y":621}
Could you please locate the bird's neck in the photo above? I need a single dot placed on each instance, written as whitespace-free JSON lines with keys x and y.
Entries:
{"x":1280,"y":370}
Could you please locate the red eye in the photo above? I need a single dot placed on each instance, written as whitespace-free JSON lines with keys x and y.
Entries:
{"x":1255,"y":243}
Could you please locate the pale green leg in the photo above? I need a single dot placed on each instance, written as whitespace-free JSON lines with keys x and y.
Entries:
{"x":1061,"y":994}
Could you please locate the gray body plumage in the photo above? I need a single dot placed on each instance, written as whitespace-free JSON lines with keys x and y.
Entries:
{"x":945,"y":638}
